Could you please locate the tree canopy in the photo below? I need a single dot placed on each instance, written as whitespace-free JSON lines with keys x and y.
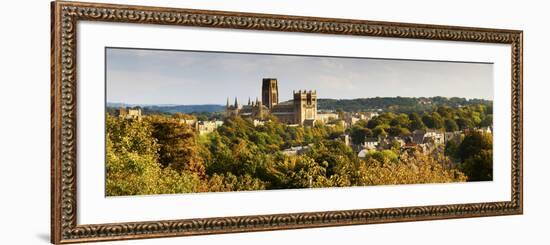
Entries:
{"x":159,"y":154}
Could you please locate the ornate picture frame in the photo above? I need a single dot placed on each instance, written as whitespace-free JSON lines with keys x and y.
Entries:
{"x":64,"y":188}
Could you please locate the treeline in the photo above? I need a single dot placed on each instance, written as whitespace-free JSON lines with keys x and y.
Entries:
{"x":442,"y":118}
{"x":152,"y":110}
{"x":397,"y":104}
{"x":159,"y":155}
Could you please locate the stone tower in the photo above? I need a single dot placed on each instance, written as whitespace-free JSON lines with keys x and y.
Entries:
{"x":305,"y":107}
{"x":270,"y":92}
{"x":232,"y":109}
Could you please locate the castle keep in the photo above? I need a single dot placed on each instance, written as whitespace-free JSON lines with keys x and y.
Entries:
{"x":302,"y":109}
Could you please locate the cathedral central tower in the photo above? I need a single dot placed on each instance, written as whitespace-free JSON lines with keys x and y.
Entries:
{"x":270,"y":92}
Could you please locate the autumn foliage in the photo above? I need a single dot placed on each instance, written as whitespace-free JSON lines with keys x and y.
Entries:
{"x":160,"y":155}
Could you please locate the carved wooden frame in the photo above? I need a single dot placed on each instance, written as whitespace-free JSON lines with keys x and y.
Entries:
{"x":65,"y":15}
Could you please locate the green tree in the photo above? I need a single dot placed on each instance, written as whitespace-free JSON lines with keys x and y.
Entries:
{"x":358,"y":134}
{"x":479,"y":167}
{"x":131,"y":162}
{"x":464,"y":123}
{"x":450,"y":125}
{"x":487,"y":121}
{"x":380,"y":130}
{"x":416,"y":122}
{"x":178,"y":146}
{"x":476,"y":154}
{"x":433,"y":121}
{"x":398,"y":131}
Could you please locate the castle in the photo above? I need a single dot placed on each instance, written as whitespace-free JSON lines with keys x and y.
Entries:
{"x":129,"y":113}
{"x":302,"y":109}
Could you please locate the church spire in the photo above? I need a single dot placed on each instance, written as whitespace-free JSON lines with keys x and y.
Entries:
{"x":236,"y":103}
{"x":248,"y":100}
{"x":227,"y":104}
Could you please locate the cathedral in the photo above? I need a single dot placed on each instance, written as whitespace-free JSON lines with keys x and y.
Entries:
{"x":301,"y":110}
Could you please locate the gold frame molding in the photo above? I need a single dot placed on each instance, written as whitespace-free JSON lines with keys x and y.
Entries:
{"x":66,"y":15}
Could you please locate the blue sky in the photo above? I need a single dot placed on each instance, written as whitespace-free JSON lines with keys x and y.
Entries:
{"x":139,"y":76}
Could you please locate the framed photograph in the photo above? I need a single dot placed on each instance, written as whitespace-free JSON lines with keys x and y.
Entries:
{"x":176,"y":122}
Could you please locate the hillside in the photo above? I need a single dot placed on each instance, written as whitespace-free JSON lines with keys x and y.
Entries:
{"x":397,"y":104}
{"x":171,"y":109}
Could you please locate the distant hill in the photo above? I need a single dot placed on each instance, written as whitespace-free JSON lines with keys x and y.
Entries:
{"x":171,"y":109}
{"x":188,"y":108}
{"x":396,"y":104}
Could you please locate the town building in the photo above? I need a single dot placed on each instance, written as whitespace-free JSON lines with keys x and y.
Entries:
{"x":351,"y":119}
{"x":363,"y":153}
{"x":296,"y":150}
{"x":368,"y":115}
{"x":370,"y":143}
{"x":485,"y":130}
{"x":202,"y":127}
{"x":326,"y":117}
{"x":436,"y":136}
{"x":429,"y":135}
{"x":345,"y":139}
{"x":257,"y":123}
{"x":188,"y":121}
{"x":206,"y":127}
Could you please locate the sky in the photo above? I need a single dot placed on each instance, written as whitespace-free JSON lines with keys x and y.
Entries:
{"x":140,"y":76}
